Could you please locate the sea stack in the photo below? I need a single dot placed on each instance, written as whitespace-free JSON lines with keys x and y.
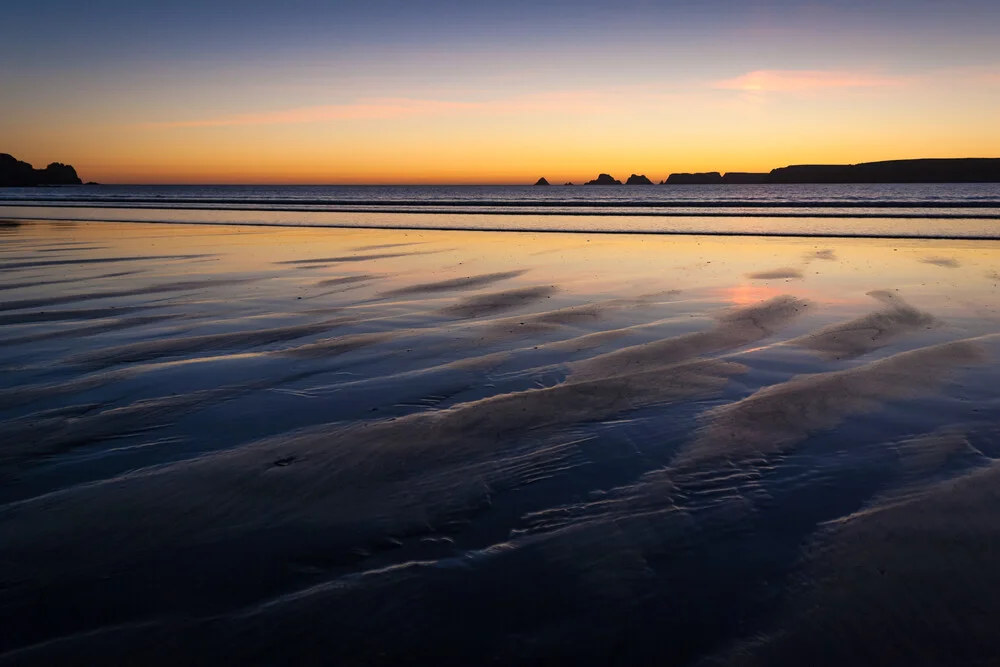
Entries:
{"x":604,"y":179}
{"x":638,"y":179}
{"x":541,"y":181}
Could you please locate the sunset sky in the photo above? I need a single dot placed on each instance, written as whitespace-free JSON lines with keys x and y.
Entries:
{"x":503,"y":92}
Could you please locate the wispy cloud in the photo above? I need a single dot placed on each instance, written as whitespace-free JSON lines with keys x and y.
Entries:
{"x":570,"y":102}
{"x":374,"y":108}
{"x":765,"y":80}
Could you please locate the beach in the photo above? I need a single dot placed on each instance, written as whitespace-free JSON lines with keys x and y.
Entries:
{"x":252,"y":444}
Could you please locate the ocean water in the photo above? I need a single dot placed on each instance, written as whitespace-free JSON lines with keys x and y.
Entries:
{"x":921,"y":210}
{"x":387,"y":444}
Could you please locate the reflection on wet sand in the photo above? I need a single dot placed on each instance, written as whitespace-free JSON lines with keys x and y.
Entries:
{"x":349,"y":258}
{"x":776,"y":274}
{"x":825,"y":254}
{"x":944,"y":262}
{"x":905,"y":582}
{"x":779,"y":416}
{"x":454,"y":284}
{"x":42,"y":283}
{"x":482,"y":305}
{"x":328,"y":347}
{"x":380,"y":246}
{"x":733,"y":329}
{"x":864,"y":334}
{"x":46,"y":302}
{"x":556,"y":459}
{"x":70,"y":315}
{"x":344,"y":280}
{"x":109,"y":325}
{"x":16,"y":266}
{"x":243,"y":340}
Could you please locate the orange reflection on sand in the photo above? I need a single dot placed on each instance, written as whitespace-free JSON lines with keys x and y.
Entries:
{"x":745,"y":294}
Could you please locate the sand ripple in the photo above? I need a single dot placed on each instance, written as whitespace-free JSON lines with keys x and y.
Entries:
{"x":222,"y":462}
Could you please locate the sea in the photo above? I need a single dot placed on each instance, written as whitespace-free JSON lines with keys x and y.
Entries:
{"x":879,"y":210}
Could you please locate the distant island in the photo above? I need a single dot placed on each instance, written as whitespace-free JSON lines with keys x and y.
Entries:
{"x":15,"y":173}
{"x":927,"y":170}
{"x":541,"y":181}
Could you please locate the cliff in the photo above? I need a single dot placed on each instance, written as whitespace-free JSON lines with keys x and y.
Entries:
{"x":707,"y":178}
{"x":604,"y":179}
{"x":15,"y":173}
{"x":958,"y":170}
{"x":961,"y":170}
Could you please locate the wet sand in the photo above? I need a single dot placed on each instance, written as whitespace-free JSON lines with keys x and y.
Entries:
{"x":251,"y":445}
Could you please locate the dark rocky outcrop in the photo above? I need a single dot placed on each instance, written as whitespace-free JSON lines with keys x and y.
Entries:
{"x":961,"y":170}
{"x":58,"y":173}
{"x":15,"y":173}
{"x":705,"y":178}
{"x":568,"y":183}
{"x":811,"y":173}
{"x":744,"y":178}
{"x":638,"y":179}
{"x":945,"y":170}
{"x":604,"y":179}
{"x":541,"y":181}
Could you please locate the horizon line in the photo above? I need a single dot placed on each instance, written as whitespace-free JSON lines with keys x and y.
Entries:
{"x":530,"y":181}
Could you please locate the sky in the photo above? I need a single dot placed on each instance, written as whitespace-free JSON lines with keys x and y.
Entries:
{"x":491,"y":92}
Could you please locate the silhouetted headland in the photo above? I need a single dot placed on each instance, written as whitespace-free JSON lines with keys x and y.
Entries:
{"x":705,"y":178}
{"x":15,"y":173}
{"x":638,"y":179}
{"x":958,"y":170}
{"x":541,"y":181}
{"x":967,"y":170}
{"x":604,"y":179}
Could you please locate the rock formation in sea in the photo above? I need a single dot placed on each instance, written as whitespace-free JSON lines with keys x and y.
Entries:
{"x":15,"y":173}
{"x":705,"y":178}
{"x":638,"y":179}
{"x":604,"y":179}
{"x":541,"y":181}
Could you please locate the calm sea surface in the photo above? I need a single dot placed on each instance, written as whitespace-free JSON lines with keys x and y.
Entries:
{"x":911,"y":210}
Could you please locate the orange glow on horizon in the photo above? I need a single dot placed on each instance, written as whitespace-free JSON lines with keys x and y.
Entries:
{"x":758,"y":121}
